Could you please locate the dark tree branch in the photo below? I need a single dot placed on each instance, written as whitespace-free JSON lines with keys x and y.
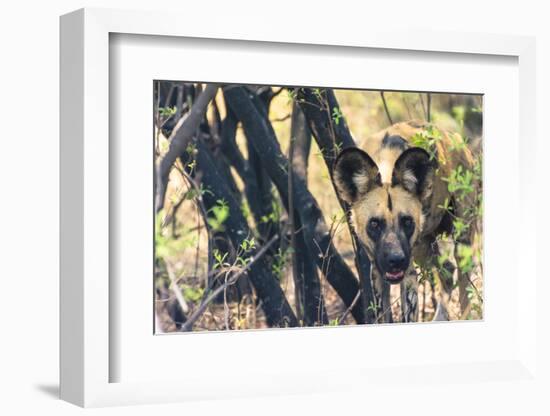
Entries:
{"x":297,"y":277}
{"x":317,"y":237}
{"x":304,"y":267}
{"x":216,"y":126}
{"x":262,"y":194}
{"x":267,"y":94}
{"x":386,"y":109}
{"x":181,"y":136}
{"x":217,"y":239}
{"x":256,"y":182}
{"x":262,"y":99}
{"x":179,"y":101}
{"x":229,"y":143}
{"x":259,"y":196}
{"x":332,"y":137}
{"x":277,"y":310}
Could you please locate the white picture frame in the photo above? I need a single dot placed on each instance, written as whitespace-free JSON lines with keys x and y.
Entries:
{"x":86,"y":351}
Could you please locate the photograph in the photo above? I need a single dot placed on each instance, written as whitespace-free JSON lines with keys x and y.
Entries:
{"x":281,"y":206}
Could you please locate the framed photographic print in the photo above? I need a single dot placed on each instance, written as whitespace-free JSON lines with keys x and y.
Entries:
{"x":305,"y":228}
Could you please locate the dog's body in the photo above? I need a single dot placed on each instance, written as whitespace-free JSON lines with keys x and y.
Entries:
{"x":400,"y":203}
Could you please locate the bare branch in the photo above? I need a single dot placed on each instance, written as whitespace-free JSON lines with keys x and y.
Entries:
{"x":386,"y":107}
{"x":181,"y":136}
{"x":429,"y":107}
{"x":423,"y":107}
{"x":175,"y":288}
{"x":350,"y":307}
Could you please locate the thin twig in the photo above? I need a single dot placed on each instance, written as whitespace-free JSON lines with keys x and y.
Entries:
{"x":175,"y":288}
{"x":350,"y":307}
{"x":429,"y":105}
{"x":386,"y":107}
{"x":381,"y":315}
{"x":424,"y":295}
{"x":204,"y":212}
{"x":198,"y":248}
{"x":475,"y":288}
{"x":284,"y":118}
{"x":423,"y":108}
{"x":276,"y":93}
{"x":225,"y":305}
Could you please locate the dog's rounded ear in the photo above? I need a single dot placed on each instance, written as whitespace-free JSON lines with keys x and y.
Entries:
{"x":355,"y":173}
{"x":414,"y":170}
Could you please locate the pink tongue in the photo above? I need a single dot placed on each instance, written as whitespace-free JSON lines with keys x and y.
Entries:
{"x":394,"y":275}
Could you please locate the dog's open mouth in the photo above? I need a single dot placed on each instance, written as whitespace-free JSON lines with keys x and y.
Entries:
{"x":395,"y":277}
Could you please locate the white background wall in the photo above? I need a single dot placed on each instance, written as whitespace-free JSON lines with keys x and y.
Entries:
{"x":29,"y":177}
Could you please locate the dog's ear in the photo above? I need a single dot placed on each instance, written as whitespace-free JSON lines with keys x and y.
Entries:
{"x":355,"y":173}
{"x":414,"y":170}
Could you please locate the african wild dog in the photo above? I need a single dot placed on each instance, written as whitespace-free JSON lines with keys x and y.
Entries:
{"x":396,"y":192}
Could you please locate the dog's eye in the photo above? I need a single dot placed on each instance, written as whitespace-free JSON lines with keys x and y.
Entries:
{"x":375,"y":227}
{"x":374,"y":224}
{"x":408,"y":224}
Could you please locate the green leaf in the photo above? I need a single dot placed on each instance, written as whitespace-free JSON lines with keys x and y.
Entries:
{"x":336,"y":115}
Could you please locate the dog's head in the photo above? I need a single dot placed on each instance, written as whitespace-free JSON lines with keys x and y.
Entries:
{"x":388,"y":216}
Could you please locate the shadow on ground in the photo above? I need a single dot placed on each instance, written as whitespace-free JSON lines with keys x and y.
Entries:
{"x":51,"y":390}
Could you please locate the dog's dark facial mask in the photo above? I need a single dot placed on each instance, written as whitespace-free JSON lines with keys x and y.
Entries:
{"x":392,"y":244}
{"x":388,"y":217}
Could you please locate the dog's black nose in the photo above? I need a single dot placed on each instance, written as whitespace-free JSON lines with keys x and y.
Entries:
{"x":397,"y":261}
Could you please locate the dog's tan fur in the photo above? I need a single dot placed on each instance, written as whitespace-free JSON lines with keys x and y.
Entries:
{"x":375,"y":205}
{"x":390,"y":200}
